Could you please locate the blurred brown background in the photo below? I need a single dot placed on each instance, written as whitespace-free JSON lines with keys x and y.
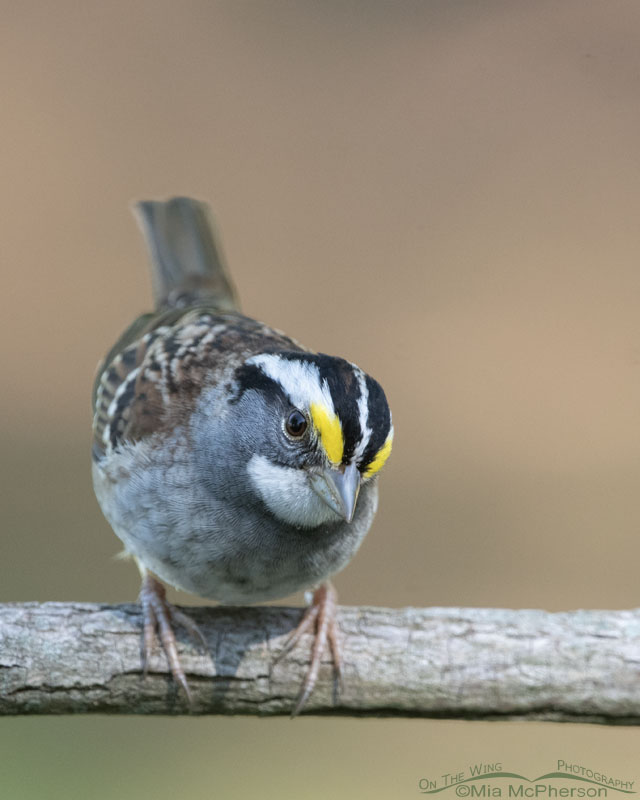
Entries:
{"x":446,"y":193}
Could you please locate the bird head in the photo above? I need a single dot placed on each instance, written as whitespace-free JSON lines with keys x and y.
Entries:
{"x":317,"y":429}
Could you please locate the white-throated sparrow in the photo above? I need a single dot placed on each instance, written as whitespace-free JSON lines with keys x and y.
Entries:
{"x":232,"y":462}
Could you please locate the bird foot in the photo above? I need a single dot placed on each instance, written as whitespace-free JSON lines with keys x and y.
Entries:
{"x":160,"y":617}
{"x":321,"y":615}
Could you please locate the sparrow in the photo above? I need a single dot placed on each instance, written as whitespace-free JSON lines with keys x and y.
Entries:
{"x":233,"y":462}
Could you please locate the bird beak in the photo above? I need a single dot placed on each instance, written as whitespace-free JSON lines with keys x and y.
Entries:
{"x":338,"y":488}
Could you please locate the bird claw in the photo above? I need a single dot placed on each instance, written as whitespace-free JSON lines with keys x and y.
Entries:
{"x":160,"y":617}
{"x":321,"y":614}
{"x":308,"y":619}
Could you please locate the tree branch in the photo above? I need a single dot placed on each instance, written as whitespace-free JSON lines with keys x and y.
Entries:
{"x":472,"y":663}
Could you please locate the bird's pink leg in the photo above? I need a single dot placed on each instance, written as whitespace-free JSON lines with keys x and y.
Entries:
{"x":321,"y":614}
{"x":159,"y":617}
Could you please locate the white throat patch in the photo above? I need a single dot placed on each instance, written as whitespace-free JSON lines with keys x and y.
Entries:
{"x":287,"y":494}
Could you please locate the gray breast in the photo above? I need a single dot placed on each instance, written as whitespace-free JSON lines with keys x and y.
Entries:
{"x":208,"y":545}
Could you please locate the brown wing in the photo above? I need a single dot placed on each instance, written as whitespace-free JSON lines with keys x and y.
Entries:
{"x":153,"y":378}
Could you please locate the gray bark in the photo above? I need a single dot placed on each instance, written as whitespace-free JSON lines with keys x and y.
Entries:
{"x":472,"y":663}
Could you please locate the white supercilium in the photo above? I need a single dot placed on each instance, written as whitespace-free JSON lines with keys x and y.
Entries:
{"x":300,"y":380}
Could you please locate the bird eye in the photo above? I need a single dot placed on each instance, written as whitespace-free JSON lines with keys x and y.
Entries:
{"x":296,"y":423}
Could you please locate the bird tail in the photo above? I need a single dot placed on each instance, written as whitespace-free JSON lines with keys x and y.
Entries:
{"x":187,"y":266}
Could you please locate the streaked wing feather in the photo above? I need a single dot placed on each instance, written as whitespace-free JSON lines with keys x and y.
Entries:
{"x":153,"y":377}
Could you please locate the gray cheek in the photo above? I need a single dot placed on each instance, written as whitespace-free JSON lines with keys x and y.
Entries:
{"x":226,"y":436}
